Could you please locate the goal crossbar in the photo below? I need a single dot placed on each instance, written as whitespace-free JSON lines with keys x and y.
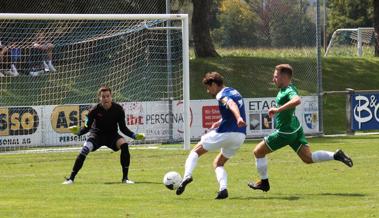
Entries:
{"x":21,"y":16}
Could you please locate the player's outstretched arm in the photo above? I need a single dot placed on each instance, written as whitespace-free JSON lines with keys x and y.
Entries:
{"x":295,"y":101}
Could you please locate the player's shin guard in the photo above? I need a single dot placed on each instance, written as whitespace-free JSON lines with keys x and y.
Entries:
{"x":77,"y":166}
{"x":125,"y":161}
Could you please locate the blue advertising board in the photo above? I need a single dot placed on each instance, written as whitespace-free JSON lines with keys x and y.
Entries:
{"x":365,"y":111}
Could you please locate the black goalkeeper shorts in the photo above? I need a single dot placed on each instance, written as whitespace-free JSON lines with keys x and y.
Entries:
{"x":108,"y":140}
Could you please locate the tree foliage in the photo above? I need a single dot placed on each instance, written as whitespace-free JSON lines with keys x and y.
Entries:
{"x":376,"y":26}
{"x":290,"y":25}
{"x":269,"y":23}
{"x":238,"y":25}
{"x":231,"y":23}
{"x":349,"y":14}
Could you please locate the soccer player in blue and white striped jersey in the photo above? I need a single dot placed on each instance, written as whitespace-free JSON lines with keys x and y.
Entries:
{"x":228,"y":133}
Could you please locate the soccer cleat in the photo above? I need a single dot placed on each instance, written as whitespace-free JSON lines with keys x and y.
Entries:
{"x":341,"y":156}
{"x":222,"y":194}
{"x":68,"y":182}
{"x":34,"y":72}
{"x":263,"y":185}
{"x":183,"y":185}
{"x":13,"y":71}
{"x":127,"y":181}
{"x":46,"y":67}
{"x":51,"y":67}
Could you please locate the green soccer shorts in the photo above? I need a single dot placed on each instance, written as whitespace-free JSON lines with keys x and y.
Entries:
{"x":277,"y":140}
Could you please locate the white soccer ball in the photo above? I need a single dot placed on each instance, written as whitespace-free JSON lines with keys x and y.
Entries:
{"x":172,"y":180}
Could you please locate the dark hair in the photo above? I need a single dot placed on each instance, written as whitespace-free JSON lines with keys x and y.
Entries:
{"x":284,"y":69}
{"x":103,"y":88}
{"x":213,"y":77}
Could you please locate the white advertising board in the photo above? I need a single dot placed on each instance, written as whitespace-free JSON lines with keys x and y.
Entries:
{"x":20,"y":126}
{"x":48,"y":125}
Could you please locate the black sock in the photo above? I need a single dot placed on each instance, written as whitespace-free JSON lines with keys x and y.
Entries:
{"x":77,"y":166}
{"x":125,"y":160}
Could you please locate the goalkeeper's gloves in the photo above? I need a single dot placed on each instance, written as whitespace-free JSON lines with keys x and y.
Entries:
{"x":139,"y":136}
{"x":74,"y":129}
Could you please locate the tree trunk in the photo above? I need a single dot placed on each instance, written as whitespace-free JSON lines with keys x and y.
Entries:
{"x":376,"y":26}
{"x":200,"y":29}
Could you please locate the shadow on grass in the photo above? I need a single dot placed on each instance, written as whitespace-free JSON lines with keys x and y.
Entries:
{"x":286,"y":198}
{"x":295,"y":197}
{"x":343,"y":194}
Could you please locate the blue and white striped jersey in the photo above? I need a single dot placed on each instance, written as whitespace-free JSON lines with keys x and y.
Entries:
{"x":229,"y":122}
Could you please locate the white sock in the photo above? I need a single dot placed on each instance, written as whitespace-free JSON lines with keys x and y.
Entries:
{"x":261,"y":164}
{"x":319,"y":156}
{"x":190,"y":164}
{"x":222,"y":177}
{"x":50,"y":62}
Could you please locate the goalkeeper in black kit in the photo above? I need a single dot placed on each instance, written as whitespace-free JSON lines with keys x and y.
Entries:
{"x":102,"y":123}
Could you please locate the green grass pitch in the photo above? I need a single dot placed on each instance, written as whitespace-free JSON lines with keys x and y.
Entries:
{"x":30,"y":184}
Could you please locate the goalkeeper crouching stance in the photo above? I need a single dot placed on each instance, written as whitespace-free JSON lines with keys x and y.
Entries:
{"x":102,"y":123}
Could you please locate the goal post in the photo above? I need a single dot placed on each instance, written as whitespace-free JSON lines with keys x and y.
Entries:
{"x":53,"y":64}
{"x":351,"y":42}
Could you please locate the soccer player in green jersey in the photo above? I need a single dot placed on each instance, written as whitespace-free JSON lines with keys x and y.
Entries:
{"x":288,"y":130}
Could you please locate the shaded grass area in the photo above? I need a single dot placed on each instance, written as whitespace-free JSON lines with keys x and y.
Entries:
{"x":31,"y":185}
{"x":252,"y":77}
{"x":249,"y":71}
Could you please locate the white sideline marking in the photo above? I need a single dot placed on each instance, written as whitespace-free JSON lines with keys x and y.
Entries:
{"x":73,"y":149}
{"x":356,"y":134}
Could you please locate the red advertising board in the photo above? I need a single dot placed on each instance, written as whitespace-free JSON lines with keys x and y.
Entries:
{"x":210,"y":114}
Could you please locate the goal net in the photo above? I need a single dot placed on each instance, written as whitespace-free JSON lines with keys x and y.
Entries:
{"x":352,"y":42}
{"x":53,"y":64}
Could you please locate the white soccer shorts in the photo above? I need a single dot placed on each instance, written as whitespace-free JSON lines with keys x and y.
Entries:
{"x":228,"y":142}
